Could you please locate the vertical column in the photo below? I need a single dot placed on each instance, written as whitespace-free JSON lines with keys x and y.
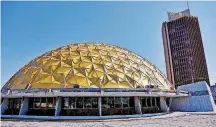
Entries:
{"x":137,"y":105}
{"x":24,"y":106}
{"x":4,"y":105}
{"x":58,"y":106}
{"x":146,"y":98}
{"x":99,"y":106}
{"x":170,"y":102}
{"x":155,"y":101}
{"x":151,"y":101}
{"x":163,"y":104}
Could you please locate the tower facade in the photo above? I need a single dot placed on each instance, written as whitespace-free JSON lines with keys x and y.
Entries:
{"x":183,"y":49}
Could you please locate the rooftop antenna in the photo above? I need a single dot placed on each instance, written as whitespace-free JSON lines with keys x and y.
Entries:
{"x":188,"y":7}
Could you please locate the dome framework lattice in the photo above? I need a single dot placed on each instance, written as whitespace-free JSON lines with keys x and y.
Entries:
{"x":90,"y":65}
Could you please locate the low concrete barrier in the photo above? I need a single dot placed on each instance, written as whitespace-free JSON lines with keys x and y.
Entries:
{"x":200,"y":99}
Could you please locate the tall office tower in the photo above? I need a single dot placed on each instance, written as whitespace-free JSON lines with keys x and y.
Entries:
{"x":183,"y":49}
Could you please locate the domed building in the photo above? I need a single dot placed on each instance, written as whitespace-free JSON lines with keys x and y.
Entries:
{"x":87,"y":79}
{"x":89,"y":65}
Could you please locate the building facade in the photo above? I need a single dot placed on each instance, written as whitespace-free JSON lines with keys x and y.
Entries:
{"x":86,"y":79}
{"x":213,"y":90}
{"x":93,"y":81}
{"x":183,"y":49}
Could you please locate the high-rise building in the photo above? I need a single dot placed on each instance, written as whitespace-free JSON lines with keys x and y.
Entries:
{"x":183,"y":49}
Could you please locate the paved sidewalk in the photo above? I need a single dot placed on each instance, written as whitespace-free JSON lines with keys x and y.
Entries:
{"x":176,"y":119}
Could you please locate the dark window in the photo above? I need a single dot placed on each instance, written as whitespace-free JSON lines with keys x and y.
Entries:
{"x":14,"y":103}
{"x":153,"y":101}
{"x":144,"y":102}
{"x":131,"y":101}
{"x":125,"y":102}
{"x":118,"y":102}
{"x":31,"y":102}
{"x":14,"y":106}
{"x":148,"y":101}
{"x":104,"y":102}
{"x":87,"y":102}
{"x":72,"y":102}
{"x":10,"y":105}
{"x":158,"y":101}
{"x":51,"y":102}
{"x":110,"y":102}
{"x":43,"y":102}
{"x":79,"y":102}
{"x":94,"y":102}
{"x":66,"y":102}
{"x":36,"y":102}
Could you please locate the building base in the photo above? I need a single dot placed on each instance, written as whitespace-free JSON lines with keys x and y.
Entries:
{"x":50,"y":118}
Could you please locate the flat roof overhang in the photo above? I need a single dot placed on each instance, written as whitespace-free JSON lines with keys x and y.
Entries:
{"x":92,"y":92}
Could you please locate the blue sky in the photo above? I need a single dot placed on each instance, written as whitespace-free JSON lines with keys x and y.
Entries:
{"x":29,"y":29}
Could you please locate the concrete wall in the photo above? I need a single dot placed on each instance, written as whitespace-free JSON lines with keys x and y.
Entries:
{"x":164,"y":107}
{"x":200,"y":99}
{"x":213,"y":90}
{"x":99,"y":106}
{"x":58,"y":106}
{"x":137,"y":105}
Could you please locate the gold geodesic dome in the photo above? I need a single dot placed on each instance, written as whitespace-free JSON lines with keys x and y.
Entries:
{"x":89,"y":65}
